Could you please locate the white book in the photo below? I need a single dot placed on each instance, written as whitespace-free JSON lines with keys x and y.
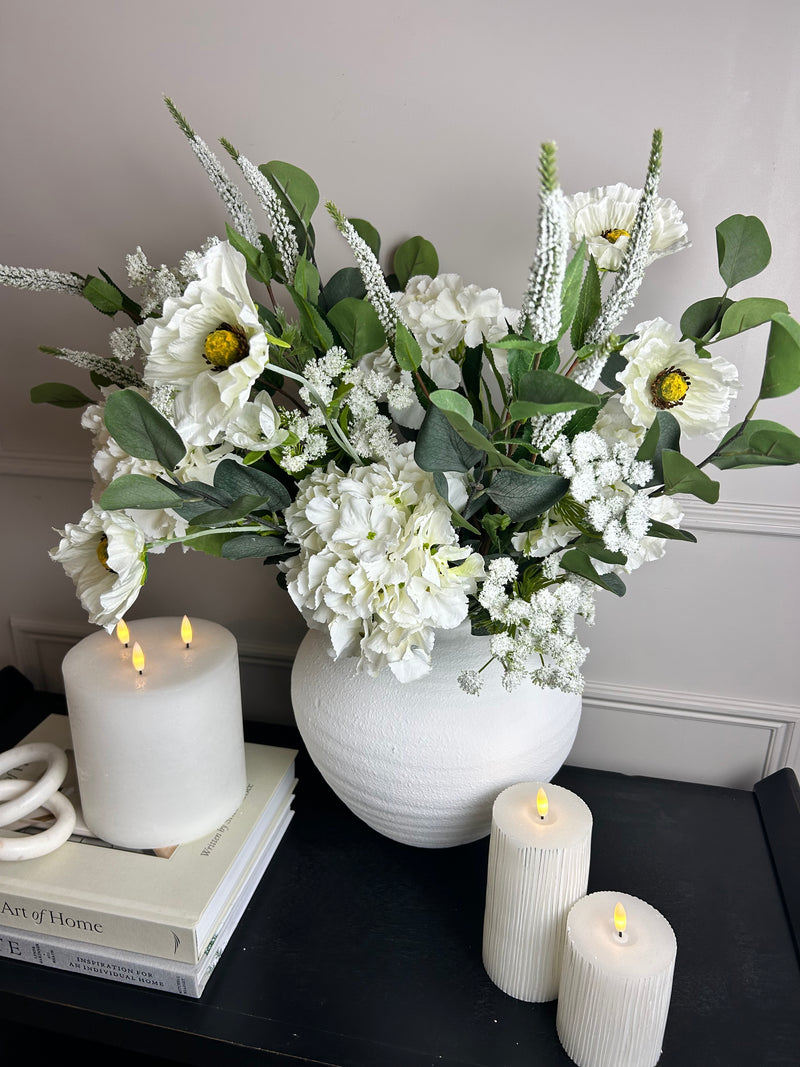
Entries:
{"x":136,"y":968}
{"x":165,"y":904}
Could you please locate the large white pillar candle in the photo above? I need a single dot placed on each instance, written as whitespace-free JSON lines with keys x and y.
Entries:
{"x":159,"y":747}
{"x":538,"y":868}
{"x":616,"y":982}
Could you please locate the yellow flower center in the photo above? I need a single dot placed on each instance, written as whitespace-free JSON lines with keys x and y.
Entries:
{"x":102,"y":553}
{"x":669,"y":387}
{"x":225,"y":346}
{"x":614,"y":235}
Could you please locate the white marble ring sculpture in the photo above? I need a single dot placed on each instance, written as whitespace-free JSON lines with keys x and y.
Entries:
{"x":20,"y":797}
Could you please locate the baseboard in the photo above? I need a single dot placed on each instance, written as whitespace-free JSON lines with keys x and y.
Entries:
{"x":696,"y":737}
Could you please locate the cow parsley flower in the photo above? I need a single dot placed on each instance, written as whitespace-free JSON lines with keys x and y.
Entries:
{"x":105,"y":554}
{"x":666,"y":374}
{"x":209,"y":346}
{"x":604,"y":218}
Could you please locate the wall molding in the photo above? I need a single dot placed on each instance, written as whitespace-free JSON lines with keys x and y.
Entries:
{"x":60,"y":468}
{"x":763,"y":735}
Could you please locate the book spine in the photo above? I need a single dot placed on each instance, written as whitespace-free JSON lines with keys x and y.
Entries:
{"x":80,"y":959}
{"x":95,"y":927}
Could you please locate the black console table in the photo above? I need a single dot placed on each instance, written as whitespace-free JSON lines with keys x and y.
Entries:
{"x":360,"y":952}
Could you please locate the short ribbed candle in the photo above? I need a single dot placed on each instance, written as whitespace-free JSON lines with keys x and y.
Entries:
{"x":615,"y":990}
{"x":538,"y":868}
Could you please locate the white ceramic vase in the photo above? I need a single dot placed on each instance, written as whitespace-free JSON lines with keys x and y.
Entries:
{"x":422,"y":762}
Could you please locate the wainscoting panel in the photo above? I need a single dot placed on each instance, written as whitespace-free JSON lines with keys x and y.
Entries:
{"x":685,"y":736}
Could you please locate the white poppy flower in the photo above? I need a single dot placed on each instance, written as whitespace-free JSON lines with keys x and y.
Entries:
{"x":604,"y":217}
{"x":208,"y":345}
{"x":666,"y":374}
{"x":105,"y":554}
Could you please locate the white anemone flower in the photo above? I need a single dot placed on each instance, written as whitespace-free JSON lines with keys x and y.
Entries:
{"x":379,"y":564}
{"x":666,"y":374}
{"x":105,"y":554}
{"x":209,"y":346}
{"x":604,"y":217}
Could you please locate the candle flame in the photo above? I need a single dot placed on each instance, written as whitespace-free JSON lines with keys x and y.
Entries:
{"x":123,"y":633}
{"x":542,"y":803}
{"x":620,"y":918}
{"x":137,"y":657}
{"x":186,"y":631}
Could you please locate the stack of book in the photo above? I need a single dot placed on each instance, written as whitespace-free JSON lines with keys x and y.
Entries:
{"x":159,"y":919}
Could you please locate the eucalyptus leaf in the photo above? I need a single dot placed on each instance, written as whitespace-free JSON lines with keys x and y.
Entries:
{"x":614,"y":365}
{"x":542,"y":392}
{"x":458,"y":412}
{"x":298,"y":187}
{"x":664,"y":432}
{"x":248,"y":546}
{"x":782,"y":366}
{"x":415,"y":256}
{"x":588,"y":307}
{"x":597,"y":550}
{"x":252,"y":255}
{"x":138,"y":491}
{"x":211,"y":544}
{"x":761,"y":443}
{"x":236,"y":480}
{"x":367,"y":232}
{"x":748,"y":313}
{"x":142,"y":431}
{"x":743,"y":248}
{"x":669,"y":533}
{"x":439,"y":446}
{"x":62,"y":396}
{"x":577,"y":562}
{"x":239,"y":509}
{"x":524,"y":496}
{"x":682,"y":476}
{"x":345,"y":283}
{"x":701,"y":320}
{"x":358,"y":325}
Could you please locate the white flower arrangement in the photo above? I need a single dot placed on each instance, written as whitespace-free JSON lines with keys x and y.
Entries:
{"x":409,"y":451}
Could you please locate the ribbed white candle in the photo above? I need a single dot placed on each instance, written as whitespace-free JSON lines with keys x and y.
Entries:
{"x":615,"y":990}
{"x":538,"y":868}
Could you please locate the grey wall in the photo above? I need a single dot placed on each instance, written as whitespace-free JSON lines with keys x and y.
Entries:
{"x":424,"y":117}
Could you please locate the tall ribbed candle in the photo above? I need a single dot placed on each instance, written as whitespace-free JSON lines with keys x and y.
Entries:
{"x":616,"y":984}
{"x":538,"y":868}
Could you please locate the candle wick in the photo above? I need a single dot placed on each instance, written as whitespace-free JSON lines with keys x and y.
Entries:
{"x":141,"y":672}
{"x":187,"y":644}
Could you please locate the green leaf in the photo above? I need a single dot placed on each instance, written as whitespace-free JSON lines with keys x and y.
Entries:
{"x":358,"y":325}
{"x":743,"y":248}
{"x":239,"y":509}
{"x":745,"y":314}
{"x":62,"y":396}
{"x":413,"y":257}
{"x":577,"y":562}
{"x":670,"y":533}
{"x":571,"y":287}
{"x":597,"y":550}
{"x":542,"y":392}
{"x":664,"y":432}
{"x":761,"y":443}
{"x":248,"y":546}
{"x":682,"y":476}
{"x":614,"y":365}
{"x":142,"y":431}
{"x":254,"y":257}
{"x":702,"y":319}
{"x":312,"y":325}
{"x":447,"y":400}
{"x":345,"y":283}
{"x":523,"y":496}
{"x":103,"y":295}
{"x":406,"y":349}
{"x":212,"y":544}
{"x":520,"y":361}
{"x":458,"y":412}
{"x":782,"y":366}
{"x":138,"y":491}
{"x":367,"y":232}
{"x":588,"y":305}
{"x":306,"y":280}
{"x":236,"y":480}
{"x":439,"y":446}
{"x":299,"y":188}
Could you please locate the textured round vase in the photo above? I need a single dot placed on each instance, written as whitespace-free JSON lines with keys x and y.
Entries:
{"x":422,"y":762}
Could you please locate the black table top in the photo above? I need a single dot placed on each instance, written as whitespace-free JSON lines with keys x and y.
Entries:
{"x":357,"y":951}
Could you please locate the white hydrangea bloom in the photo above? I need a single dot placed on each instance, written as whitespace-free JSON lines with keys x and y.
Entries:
{"x":604,"y":217}
{"x":550,"y":536}
{"x":379,"y":565}
{"x":442,"y":312}
{"x":665,"y":373}
{"x":209,"y":346}
{"x":105,"y":556}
